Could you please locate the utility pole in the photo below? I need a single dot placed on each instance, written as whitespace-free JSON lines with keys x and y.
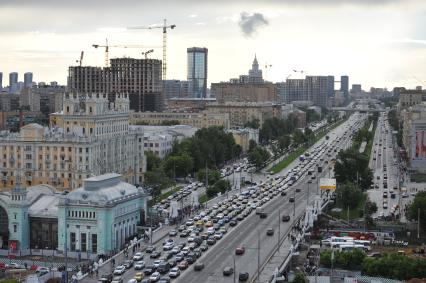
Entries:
{"x":279,"y":229}
{"x":66,"y":241}
{"x":418,"y":223}
{"x":235,"y":271}
{"x":307,"y":200}
{"x":258,"y":254}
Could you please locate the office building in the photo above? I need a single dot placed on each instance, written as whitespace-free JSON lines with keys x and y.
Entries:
{"x":28,"y":80}
{"x":197,"y":71}
{"x":344,"y":85}
{"x":91,"y":136}
{"x":190,"y":104}
{"x":198,"y":120}
{"x":255,"y":74}
{"x":51,"y":97}
{"x":1,"y":81}
{"x":13,"y":83}
{"x":175,"y":89}
{"x":92,"y":220}
{"x":356,"y":89}
{"x":244,"y":92}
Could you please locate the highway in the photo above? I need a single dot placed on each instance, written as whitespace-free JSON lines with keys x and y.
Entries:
{"x":251,"y":231}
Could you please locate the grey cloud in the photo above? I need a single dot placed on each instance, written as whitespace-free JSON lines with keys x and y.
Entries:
{"x":249,"y":23}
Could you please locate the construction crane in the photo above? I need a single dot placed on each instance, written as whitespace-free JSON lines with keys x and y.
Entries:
{"x":107,"y":47}
{"x":81,"y":58}
{"x":147,"y":52}
{"x":164,"y":27}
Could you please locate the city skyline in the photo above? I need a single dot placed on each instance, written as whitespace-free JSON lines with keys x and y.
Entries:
{"x":377,"y":44}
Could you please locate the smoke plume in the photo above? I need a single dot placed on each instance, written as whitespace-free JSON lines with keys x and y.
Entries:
{"x":249,"y":23}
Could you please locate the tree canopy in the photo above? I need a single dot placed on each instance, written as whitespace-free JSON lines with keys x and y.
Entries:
{"x":419,"y":203}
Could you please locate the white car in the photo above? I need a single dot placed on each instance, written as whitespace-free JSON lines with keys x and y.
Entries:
{"x":210,"y":231}
{"x":156,"y":263}
{"x":218,"y":236}
{"x":119,"y":270}
{"x":174,"y":272}
{"x":154,"y":277}
{"x":139,"y":265}
{"x":138,"y":256}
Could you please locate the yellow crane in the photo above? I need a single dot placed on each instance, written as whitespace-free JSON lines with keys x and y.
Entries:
{"x":164,"y":27}
{"x":107,"y":47}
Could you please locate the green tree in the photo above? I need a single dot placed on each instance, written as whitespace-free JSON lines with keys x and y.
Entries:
{"x":254,"y":124}
{"x":178,"y":165}
{"x":252,"y":145}
{"x":298,"y":137}
{"x":221,"y":186}
{"x":284,"y":142}
{"x":214,"y":176}
{"x":352,"y":166}
{"x":419,"y":204}
{"x":152,"y":160}
{"x":300,"y":278}
{"x":348,"y":194}
{"x":258,"y":156}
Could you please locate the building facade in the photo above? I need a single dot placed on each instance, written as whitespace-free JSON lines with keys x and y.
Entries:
{"x":197,"y":71}
{"x":344,"y":85}
{"x":28,"y":80}
{"x":91,"y":136}
{"x":242,"y":112}
{"x":243,"y":137}
{"x":409,"y":98}
{"x":244,"y":92}
{"x":198,"y":120}
{"x":94,"y":219}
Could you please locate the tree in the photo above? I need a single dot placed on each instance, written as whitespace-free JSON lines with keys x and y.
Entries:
{"x":152,"y":160}
{"x":178,"y":165}
{"x":252,"y":145}
{"x":220,"y":186}
{"x":214,"y":176}
{"x":254,"y":124}
{"x":300,"y":278}
{"x":348,"y":195}
{"x":353,"y":167}
{"x":284,"y":142}
{"x":298,"y":137}
{"x":419,"y":203}
{"x":258,"y":156}
{"x":370,"y":208}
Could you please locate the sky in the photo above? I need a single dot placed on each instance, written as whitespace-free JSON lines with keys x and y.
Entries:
{"x":377,"y":43}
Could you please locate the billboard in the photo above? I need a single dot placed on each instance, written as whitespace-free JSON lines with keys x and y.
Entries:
{"x":418,"y":144}
{"x":327,"y":184}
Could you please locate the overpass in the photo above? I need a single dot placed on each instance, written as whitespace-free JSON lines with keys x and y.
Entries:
{"x":357,"y":109}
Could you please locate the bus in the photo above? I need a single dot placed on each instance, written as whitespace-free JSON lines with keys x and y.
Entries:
{"x":336,"y":241}
{"x":351,"y":247}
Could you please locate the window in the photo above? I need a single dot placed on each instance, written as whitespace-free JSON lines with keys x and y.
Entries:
{"x":83,"y":237}
{"x":94,"y":243}
{"x":72,"y":240}
{"x":15,"y":228}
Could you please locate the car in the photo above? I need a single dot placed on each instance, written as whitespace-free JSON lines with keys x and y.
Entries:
{"x":164,"y":279}
{"x":291,"y":199}
{"x":270,"y":232}
{"x":285,"y":218}
{"x":163,"y":267}
{"x":199,"y":266}
{"x":172,"y":262}
{"x":218,"y":235}
{"x":227,"y":271}
{"x":155,"y":254}
{"x":139,"y":276}
{"x":128,"y":263}
{"x":263,"y":215}
{"x":105,"y":278}
{"x":232,"y":223}
{"x":297,"y":190}
{"x":283,"y":193}
{"x":149,"y":269}
{"x":168,"y":247}
{"x":150,"y":249}
{"x":204,"y":247}
{"x":211,"y":241}
{"x":139,"y":265}
{"x":117,"y":279}
{"x":240,"y":250}
{"x":155,"y":277}
{"x":174,"y":272}
{"x":119,"y":270}
{"x":173,"y":233}
{"x":138,"y":256}
{"x":243,"y":276}
{"x":183,"y":265}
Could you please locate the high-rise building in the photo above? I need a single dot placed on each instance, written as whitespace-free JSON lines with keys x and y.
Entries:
{"x":255,"y":74}
{"x":140,"y":78}
{"x":13,"y":78}
{"x":28,"y":80}
{"x":356,"y":88}
{"x":197,"y":71}
{"x":1,"y":80}
{"x":175,"y":89}
{"x":344,"y":85}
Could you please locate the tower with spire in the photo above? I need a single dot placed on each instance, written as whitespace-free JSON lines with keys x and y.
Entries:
{"x":255,"y":74}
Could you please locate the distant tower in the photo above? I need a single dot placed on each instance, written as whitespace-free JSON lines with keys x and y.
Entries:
{"x":1,"y":80}
{"x":13,"y":78}
{"x":28,"y":80}
{"x":197,"y":71}
{"x":344,"y":85}
{"x":255,"y":74}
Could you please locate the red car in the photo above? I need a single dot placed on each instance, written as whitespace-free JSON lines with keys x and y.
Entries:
{"x":240,"y":250}
{"x":183,"y":265}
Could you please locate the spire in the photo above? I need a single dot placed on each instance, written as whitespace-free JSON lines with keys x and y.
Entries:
{"x":255,"y":65}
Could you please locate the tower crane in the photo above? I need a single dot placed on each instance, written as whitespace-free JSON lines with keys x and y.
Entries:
{"x":164,"y":27}
{"x":107,"y":47}
{"x":147,"y":52}
{"x":81,"y":58}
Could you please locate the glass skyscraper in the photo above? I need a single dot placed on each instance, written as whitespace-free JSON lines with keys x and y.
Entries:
{"x":197,"y":71}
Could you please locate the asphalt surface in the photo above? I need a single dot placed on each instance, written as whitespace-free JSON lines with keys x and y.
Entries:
{"x":251,"y":232}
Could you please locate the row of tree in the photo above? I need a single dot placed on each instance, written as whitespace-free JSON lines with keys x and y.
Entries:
{"x":394,"y":266}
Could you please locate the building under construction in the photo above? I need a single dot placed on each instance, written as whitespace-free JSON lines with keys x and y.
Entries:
{"x":140,"y":78}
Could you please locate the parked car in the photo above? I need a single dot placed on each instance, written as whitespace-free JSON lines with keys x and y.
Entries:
{"x":227,"y":271}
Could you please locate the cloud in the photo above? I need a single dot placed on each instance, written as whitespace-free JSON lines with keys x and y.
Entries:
{"x":193,"y":16}
{"x":249,"y":23}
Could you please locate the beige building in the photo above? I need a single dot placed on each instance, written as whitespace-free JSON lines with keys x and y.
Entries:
{"x":243,"y":112}
{"x":90,"y":137}
{"x":244,"y":92}
{"x":409,"y":98}
{"x":242,"y":137}
{"x":195,"y":119}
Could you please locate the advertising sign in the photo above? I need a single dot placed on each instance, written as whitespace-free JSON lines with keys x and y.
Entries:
{"x":327,"y":184}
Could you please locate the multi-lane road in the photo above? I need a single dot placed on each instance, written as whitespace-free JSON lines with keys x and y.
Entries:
{"x":251,"y":232}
